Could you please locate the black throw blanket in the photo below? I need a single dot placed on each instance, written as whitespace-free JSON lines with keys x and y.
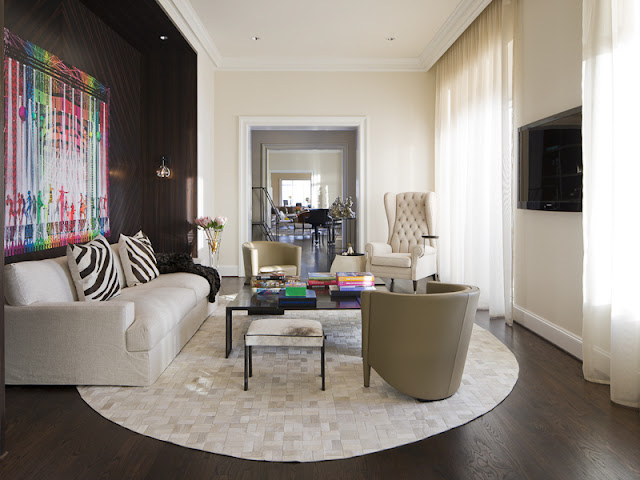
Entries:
{"x":182,"y":262}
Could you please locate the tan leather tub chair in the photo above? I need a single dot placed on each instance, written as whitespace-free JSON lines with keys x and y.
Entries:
{"x":418,"y":343}
{"x":265,"y":257}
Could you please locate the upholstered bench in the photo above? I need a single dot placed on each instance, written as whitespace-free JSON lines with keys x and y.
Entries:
{"x":282,"y":332}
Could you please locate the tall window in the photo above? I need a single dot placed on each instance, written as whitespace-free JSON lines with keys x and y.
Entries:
{"x":474,"y":157}
{"x":296,"y":191}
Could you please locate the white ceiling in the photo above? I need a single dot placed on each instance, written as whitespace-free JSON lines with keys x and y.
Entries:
{"x":329,"y":34}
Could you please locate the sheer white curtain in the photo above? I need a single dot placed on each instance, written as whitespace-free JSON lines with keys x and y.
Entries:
{"x":611,"y":165}
{"x":474,"y":157}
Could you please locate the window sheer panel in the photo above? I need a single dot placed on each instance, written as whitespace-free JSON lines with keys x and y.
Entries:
{"x":471,"y":125}
{"x":611,"y":99}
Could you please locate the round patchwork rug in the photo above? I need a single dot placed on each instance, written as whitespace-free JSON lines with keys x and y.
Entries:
{"x":199,"y":401}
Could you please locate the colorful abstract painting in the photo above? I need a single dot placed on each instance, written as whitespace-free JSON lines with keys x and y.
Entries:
{"x":56,"y":149}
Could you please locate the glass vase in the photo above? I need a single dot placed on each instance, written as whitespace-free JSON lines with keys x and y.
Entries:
{"x":214,"y":248}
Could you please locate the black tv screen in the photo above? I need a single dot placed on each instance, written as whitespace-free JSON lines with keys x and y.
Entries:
{"x":550,"y":170}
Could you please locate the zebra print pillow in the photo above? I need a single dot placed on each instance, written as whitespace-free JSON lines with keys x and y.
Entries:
{"x":138,"y":259}
{"x":93,"y":270}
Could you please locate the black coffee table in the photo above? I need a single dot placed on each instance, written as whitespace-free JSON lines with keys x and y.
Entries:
{"x":268,"y":305}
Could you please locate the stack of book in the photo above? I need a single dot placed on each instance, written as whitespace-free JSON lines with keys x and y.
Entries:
{"x":322,"y":279}
{"x":268,"y":283}
{"x":350,"y":284}
{"x":302,"y":300}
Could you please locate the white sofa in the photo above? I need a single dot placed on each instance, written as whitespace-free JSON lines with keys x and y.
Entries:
{"x":51,"y":338}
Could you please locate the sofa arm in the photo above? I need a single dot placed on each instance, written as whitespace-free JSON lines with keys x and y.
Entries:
{"x":69,"y":323}
{"x":377,"y":248}
{"x":71,"y":343}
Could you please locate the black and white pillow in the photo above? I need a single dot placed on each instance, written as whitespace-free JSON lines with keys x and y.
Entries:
{"x":138,"y":259}
{"x":93,"y":270}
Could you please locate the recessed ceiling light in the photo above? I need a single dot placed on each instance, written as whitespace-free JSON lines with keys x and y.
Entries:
{"x":255,"y":38}
{"x":391,"y":39}
{"x":164,"y":37}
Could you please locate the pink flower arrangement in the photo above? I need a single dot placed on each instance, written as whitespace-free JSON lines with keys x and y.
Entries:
{"x":212,"y":229}
{"x":206,"y":224}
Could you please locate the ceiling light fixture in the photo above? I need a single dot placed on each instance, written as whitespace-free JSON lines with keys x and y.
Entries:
{"x":391,"y":39}
{"x":255,"y":38}
{"x":164,"y":37}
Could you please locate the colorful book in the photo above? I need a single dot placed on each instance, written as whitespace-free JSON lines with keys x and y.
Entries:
{"x":322,"y":283}
{"x":259,"y":283}
{"x":271,"y":276}
{"x":295,"y":289}
{"x":336,"y":292}
{"x":322,"y":276}
{"x":355,"y":288}
{"x":357,"y":283}
{"x":266,"y":291}
{"x":354,"y":276}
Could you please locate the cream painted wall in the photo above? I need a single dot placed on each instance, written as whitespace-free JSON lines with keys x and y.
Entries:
{"x":548,"y":245}
{"x":206,"y":201}
{"x":400,"y":112}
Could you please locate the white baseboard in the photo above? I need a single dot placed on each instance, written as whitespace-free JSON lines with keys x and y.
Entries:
{"x":228,"y":270}
{"x":560,"y":337}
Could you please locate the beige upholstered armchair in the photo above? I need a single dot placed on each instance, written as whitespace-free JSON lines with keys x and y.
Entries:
{"x":418,"y":343}
{"x":264,"y":257}
{"x":406,"y":255}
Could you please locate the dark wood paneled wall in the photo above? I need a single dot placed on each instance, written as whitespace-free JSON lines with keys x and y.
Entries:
{"x":153,"y":108}
{"x":153,"y":112}
{"x":170,"y":78}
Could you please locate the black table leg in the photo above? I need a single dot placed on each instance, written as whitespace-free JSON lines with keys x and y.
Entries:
{"x":246,"y":367}
{"x":228,"y":332}
{"x":322,"y":364}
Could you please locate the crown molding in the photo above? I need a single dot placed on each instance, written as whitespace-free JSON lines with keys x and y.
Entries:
{"x":188,"y":22}
{"x":464,"y":14}
{"x":186,"y":19}
{"x":340,"y":64}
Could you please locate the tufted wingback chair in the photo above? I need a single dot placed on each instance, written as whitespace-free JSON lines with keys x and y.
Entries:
{"x":406,"y":255}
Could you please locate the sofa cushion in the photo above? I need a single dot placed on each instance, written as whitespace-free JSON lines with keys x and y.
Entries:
{"x":138,"y":259}
{"x":183,"y":280}
{"x":157,"y":311}
{"x":392,"y":260}
{"x":38,"y":281}
{"x":93,"y":270}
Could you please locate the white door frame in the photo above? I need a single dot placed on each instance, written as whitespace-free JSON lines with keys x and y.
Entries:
{"x":246,"y":124}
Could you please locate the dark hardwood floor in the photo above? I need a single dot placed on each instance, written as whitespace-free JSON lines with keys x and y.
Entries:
{"x":554,"y":425}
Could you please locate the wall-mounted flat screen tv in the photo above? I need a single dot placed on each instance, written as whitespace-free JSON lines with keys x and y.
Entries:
{"x":550,"y":167}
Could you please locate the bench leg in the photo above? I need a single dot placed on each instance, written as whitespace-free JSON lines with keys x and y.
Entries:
{"x":322,"y":364}
{"x":246,"y":367}
{"x":251,"y":361}
{"x":229,"y":328}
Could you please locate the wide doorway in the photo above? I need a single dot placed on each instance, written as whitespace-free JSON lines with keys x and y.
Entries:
{"x":297,"y":172}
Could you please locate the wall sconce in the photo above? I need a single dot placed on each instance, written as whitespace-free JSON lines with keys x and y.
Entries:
{"x":163,"y":171}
